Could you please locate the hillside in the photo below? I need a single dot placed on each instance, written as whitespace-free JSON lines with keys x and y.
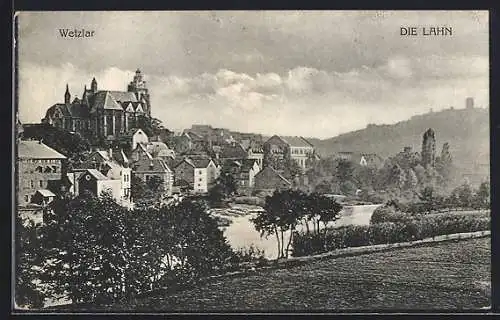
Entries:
{"x":466,"y":130}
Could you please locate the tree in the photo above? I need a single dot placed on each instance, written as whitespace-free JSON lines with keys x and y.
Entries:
{"x":87,"y":256}
{"x":465,"y":196}
{"x":428,"y":197}
{"x":344,"y":170}
{"x":72,"y":145}
{"x":29,"y":256}
{"x":150,"y":126}
{"x":482,"y":198}
{"x":444,"y":164}
{"x":280,"y":215}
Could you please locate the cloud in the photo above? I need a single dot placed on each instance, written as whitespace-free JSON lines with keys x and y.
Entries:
{"x":304,"y":100}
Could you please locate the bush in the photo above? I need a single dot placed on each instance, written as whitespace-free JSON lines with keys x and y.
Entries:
{"x":388,"y":214}
{"x":256,"y":201}
{"x":384,"y":231}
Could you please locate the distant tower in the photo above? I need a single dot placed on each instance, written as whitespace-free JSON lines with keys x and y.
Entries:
{"x":138,"y":87}
{"x":428,"y":149}
{"x":93,"y":86}
{"x":67,"y":95}
{"x":469,"y":103}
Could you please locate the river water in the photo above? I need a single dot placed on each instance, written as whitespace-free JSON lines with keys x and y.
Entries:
{"x":241,"y":232}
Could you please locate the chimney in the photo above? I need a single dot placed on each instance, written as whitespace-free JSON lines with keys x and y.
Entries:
{"x":110,"y":153}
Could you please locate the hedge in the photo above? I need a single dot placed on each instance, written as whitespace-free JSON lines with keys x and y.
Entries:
{"x":387,"y":232}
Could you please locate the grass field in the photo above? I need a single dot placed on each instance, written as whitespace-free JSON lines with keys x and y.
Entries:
{"x":445,"y":276}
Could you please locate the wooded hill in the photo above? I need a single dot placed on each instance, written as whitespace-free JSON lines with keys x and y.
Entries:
{"x":466,"y":130}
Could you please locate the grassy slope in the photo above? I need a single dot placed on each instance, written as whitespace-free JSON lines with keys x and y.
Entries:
{"x":440,"y":276}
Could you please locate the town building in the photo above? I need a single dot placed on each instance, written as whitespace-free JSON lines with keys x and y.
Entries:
{"x":268,"y":180}
{"x":298,"y":149}
{"x":145,"y":169}
{"x":243,"y":171}
{"x":133,"y":137}
{"x":102,"y":113}
{"x":39,"y":170}
{"x":199,"y":173}
{"x":114,"y":166}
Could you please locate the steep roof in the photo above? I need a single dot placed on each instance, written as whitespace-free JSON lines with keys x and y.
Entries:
{"x":233,"y":151}
{"x":46,"y":193}
{"x":123,"y":96}
{"x":96,"y":174}
{"x":271,"y":169}
{"x":151,"y":165}
{"x":297,"y":141}
{"x":28,"y":149}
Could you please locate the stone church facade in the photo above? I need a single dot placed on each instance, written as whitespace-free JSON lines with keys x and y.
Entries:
{"x":102,"y":113}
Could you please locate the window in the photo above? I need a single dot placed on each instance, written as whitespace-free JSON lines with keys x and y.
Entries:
{"x":32,"y":184}
{"x":48,"y":170}
{"x":200,"y":179}
{"x":40,"y":183}
{"x":199,"y":172}
{"x":26,"y":198}
{"x":54,"y":169}
{"x":39,"y":169}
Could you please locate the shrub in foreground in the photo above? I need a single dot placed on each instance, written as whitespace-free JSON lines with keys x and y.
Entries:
{"x":388,"y":232}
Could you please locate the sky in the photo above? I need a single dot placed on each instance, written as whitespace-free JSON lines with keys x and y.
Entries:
{"x":309,"y":73}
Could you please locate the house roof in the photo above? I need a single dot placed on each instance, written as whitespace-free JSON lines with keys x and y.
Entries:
{"x":196,"y":162}
{"x":297,"y":141}
{"x":233,"y":151}
{"x":46,"y":193}
{"x":151,"y":165}
{"x":96,"y":174}
{"x":28,"y":149}
{"x":157,"y":147}
{"x":268,"y":168}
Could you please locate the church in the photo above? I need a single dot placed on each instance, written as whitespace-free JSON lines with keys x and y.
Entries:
{"x":102,"y":113}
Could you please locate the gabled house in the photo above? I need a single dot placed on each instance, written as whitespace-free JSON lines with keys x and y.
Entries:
{"x":269,"y":180}
{"x":112,"y":164}
{"x":199,"y":173}
{"x":243,"y":171}
{"x":134,"y":137}
{"x":92,"y":180}
{"x":145,"y":169}
{"x":160,"y":150}
{"x":298,"y":149}
{"x":39,"y":167}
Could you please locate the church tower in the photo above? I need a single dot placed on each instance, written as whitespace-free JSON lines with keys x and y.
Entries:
{"x":67,"y":95}
{"x":138,"y":87}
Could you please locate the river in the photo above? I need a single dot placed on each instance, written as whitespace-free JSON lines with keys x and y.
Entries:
{"x":241,"y":232}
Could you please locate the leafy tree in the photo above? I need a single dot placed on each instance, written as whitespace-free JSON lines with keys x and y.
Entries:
{"x":29,"y":256}
{"x":427,"y":196}
{"x":284,"y":210}
{"x":150,"y":126}
{"x":344,"y":170}
{"x":87,"y":255}
{"x":444,"y":163}
{"x":72,"y":145}
{"x":465,"y":196}
{"x":482,"y":198}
